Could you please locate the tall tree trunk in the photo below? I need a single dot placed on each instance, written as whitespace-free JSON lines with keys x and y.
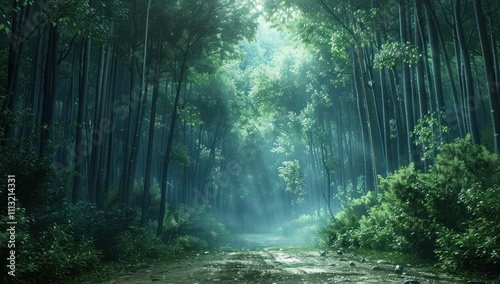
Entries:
{"x":49,"y":91}
{"x":408,"y":100}
{"x":18,"y":37}
{"x":175,"y":115}
{"x":152,"y":120}
{"x":371,"y":119}
{"x":105,"y":128}
{"x":110,"y":165}
{"x":130,"y":173}
{"x":419,"y":68}
{"x":469,"y":86}
{"x":81,"y":147}
{"x":455,"y":97}
{"x":420,"y":77}
{"x":490,"y":74}
{"x":361,"y":105}
{"x":96,"y":134}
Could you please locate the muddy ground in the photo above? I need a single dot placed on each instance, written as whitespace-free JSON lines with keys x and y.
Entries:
{"x":272,"y":259}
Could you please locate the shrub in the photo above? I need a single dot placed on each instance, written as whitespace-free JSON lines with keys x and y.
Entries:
{"x":340,"y":232}
{"x":197,"y":223}
{"x":56,"y":240}
{"x":103,"y":226}
{"x":56,"y":255}
{"x":405,"y":196}
{"x":33,"y":177}
{"x":137,"y":244}
{"x":89,"y":222}
{"x":452,"y":212}
{"x":189,"y":243}
{"x":476,"y":249}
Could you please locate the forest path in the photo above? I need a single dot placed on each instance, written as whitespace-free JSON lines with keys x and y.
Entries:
{"x":259,"y":259}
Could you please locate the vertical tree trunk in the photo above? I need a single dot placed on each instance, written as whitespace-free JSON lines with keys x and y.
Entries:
{"x":81,"y":146}
{"x":110,"y":165}
{"x":456,"y":101}
{"x":408,"y":100}
{"x":152,"y":120}
{"x":132,"y":158}
{"x":170,"y":139}
{"x":361,"y":105}
{"x":105,"y":128}
{"x":96,"y":133}
{"x":49,"y":92}
{"x":436,"y":61}
{"x":490,"y":73}
{"x":19,"y":21}
{"x":469,"y":86}
{"x":419,"y":68}
{"x":420,"y":77}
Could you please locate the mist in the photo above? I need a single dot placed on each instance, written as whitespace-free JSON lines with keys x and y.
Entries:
{"x":136,"y":133}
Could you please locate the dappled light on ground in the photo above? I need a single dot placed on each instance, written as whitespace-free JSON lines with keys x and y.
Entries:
{"x":261,"y":258}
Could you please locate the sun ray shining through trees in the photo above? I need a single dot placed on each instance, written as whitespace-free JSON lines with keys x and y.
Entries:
{"x":149,"y":129}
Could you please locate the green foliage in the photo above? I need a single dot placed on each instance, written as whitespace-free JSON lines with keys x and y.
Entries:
{"x":292,"y":174}
{"x":283,"y":145}
{"x":476,"y":249}
{"x":193,"y":229}
{"x":304,"y":229}
{"x":103,"y":226}
{"x":486,"y":137}
{"x":56,"y":240}
{"x":180,"y":155}
{"x":57,"y":253}
{"x":137,"y":244}
{"x":426,"y":131}
{"x":340,"y":232}
{"x":406,"y":193}
{"x":392,"y":53}
{"x":450,"y":213}
{"x":33,"y":176}
{"x":189,"y":243}
{"x":47,"y":247}
{"x":191,"y":115}
{"x":350,"y":192}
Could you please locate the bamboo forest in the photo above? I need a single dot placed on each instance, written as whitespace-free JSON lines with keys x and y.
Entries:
{"x":250,"y":141}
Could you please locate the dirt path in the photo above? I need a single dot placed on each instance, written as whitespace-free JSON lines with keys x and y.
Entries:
{"x":266,"y":263}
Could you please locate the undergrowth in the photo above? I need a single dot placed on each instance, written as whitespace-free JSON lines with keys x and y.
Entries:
{"x":449,"y":214}
{"x":56,"y":241}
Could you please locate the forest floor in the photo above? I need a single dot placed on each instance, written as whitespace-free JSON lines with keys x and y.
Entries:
{"x":274,"y":259}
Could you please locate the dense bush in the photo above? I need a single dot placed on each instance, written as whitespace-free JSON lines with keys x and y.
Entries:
{"x":193,"y":228}
{"x":56,"y":254}
{"x":451,"y":213}
{"x":103,"y":226}
{"x":56,"y":240}
{"x":33,"y":176}
{"x":341,"y":230}
{"x":137,"y":244}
